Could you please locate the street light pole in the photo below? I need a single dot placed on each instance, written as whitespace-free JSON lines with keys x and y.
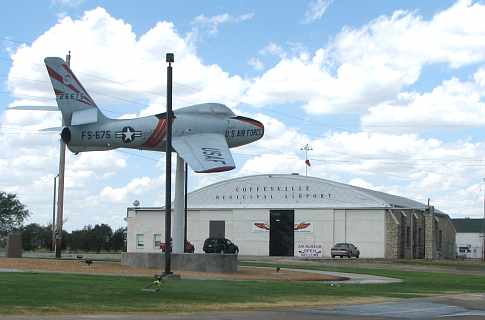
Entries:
{"x":168,"y":168}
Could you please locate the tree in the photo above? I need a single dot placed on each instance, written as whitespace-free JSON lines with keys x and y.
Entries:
{"x":102,"y":236}
{"x":118,"y":240}
{"x":35,"y":236}
{"x":76,"y":242}
{"x":12,"y":213}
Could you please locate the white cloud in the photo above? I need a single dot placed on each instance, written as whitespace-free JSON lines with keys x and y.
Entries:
{"x":361,"y":69}
{"x":316,"y":9}
{"x":277,"y":136}
{"x":273,"y":49}
{"x":113,"y":63}
{"x":453,"y":103}
{"x":256,"y":63}
{"x":271,"y":163}
{"x":136,"y":186}
{"x":401,"y":164}
{"x":212,"y":23}
{"x":366,"y":66}
{"x":359,"y":182}
{"x":123,"y":66}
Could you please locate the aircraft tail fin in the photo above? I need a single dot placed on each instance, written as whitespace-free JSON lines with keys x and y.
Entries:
{"x":72,"y":99}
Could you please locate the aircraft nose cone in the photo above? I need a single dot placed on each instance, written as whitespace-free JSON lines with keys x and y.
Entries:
{"x":257,"y":124}
{"x":259,"y":128}
{"x":254,"y":128}
{"x":253,"y":122}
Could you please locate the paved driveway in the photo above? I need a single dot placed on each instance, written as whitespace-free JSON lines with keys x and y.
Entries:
{"x":466,"y":306}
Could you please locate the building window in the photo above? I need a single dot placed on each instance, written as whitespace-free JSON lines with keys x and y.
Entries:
{"x":139,"y":241}
{"x":156,"y":240}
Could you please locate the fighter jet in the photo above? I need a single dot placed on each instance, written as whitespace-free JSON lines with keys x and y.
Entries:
{"x":201,"y":134}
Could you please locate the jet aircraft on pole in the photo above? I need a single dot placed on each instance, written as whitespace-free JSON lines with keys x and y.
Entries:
{"x":202,"y":133}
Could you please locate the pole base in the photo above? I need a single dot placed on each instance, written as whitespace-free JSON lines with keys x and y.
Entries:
{"x":170,"y":276}
{"x":58,"y":249}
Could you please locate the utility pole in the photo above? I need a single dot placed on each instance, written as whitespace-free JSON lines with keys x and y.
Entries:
{"x":483,"y":230}
{"x":53,"y":245}
{"x":306,"y":148}
{"x":185,"y":203}
{"x":60,"y":200}
{"x":169,"y":58}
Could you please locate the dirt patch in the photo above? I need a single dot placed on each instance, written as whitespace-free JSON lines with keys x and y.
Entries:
{"x":115,"y":268}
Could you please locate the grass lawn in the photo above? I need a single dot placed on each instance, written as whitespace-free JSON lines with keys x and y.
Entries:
{"x":414,"y":283}
{"x":68,"y":293}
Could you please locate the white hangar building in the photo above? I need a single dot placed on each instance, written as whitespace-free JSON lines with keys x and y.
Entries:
{"x":293,"y":215}
{"x":470,"y":235}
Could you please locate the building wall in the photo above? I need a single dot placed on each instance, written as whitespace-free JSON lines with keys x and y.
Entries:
{"x":146,"y":223}
{"x":472,"y":241}
{"x":249,"y":239}
{"x":363,"y":228}
{"x":405,"y":230}
{"x":319,"y":235}
{"x":447,"y":248}
{"x":418,"y":234}
{"x":392,"y":235}
{"x":198,"y":225}
{"x":440,"y":236}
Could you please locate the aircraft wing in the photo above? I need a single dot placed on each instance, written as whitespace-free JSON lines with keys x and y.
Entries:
{"x":37,"y":108}
{"x":204,"y":153}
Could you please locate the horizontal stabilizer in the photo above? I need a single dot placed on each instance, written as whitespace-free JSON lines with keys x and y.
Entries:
{"x":205,"y":153}
{"x":36,"y":108}
{"x":52,"y":129}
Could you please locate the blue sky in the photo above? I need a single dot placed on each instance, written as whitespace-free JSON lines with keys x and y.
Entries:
{"x":389,"y":94}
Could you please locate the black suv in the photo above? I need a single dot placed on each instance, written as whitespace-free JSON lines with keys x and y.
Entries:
{"x":344,"y":250}
{"x":220,"y":245}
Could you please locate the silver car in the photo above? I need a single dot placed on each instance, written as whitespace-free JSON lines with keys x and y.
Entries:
{"x":344,"y":250}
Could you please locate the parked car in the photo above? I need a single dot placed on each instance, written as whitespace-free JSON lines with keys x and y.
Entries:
{"x":189,"y":247}
{"x":344,"y":250}
{"x":220,"y":245}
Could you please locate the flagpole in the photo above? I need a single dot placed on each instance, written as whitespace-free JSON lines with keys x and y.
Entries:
{"x":306,"y":148}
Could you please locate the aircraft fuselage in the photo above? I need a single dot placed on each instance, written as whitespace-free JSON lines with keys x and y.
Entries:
{"x":149,"y":133}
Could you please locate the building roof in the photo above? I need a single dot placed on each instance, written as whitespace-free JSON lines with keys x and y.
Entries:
{"x":295,"y":191}
{"x":467,"y":225}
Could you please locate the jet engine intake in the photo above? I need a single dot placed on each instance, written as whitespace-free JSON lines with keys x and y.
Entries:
{"x":66,"y":135}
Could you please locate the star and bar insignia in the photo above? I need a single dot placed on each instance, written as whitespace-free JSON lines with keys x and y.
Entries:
{"x":128,"y":134}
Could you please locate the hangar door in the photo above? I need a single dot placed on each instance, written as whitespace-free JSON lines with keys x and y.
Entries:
{"x":217,"y":229}
{"x":281,"y":232}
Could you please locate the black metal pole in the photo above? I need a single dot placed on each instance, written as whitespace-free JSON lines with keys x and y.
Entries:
{"x":168,"y":168}
{"x":185,"y":202}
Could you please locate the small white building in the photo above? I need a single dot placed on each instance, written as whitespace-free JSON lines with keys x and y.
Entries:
{"x":293,"y":215}
{"x":469,"y":238}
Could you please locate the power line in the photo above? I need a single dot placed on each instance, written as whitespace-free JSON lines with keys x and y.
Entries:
{"x":137,"y":155}
{"x":40,"y":67}
{"x":124,"y":100}
{"x":182,"y":100}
